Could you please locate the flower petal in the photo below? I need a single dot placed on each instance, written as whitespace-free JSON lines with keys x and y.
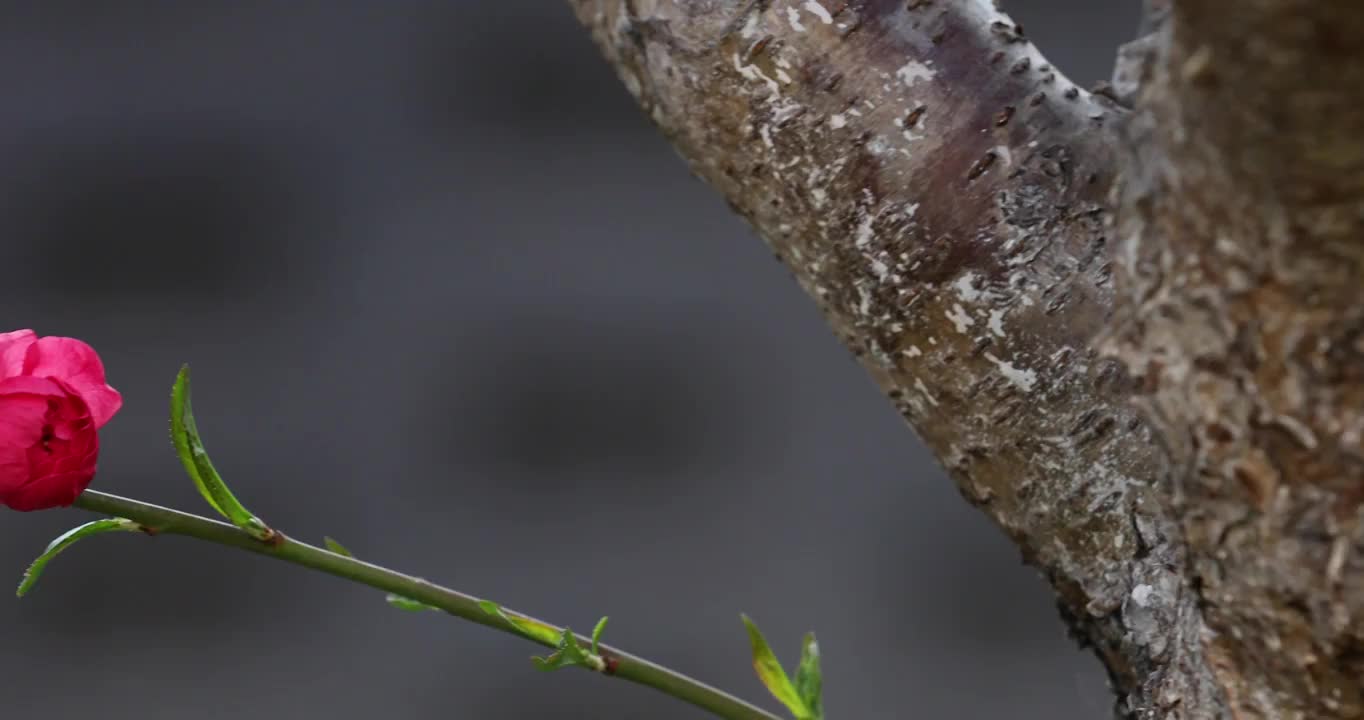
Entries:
{"x":79,"y":367}
{"x":21,"y":427}
{"x":48,"y":444}
{"x":22,"y":416}
{"x":13,"y":347}
{"x":49,"y":492}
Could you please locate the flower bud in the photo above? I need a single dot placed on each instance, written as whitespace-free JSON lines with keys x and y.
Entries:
{"x":53,"y":400}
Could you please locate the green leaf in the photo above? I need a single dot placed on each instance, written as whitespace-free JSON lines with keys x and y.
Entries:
{"x":596,"y":635}
{"x":810,"y":679}
{"x":569,"y":653}
{"x":337,"y":547}
{"x":66,"y":540}
{"x":772,"y":675}
{"x":567,"y":649}
{"x":190,"y":448}
{"x":408,"y":604}
{"x":533,"y":629}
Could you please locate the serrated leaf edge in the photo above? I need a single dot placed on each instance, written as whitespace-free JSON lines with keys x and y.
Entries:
{"x":809,"y":679}
{"x":66,"y":540}
{"x":567,"y":652}
{"x":771,"y":673}
{"x":194,"y":457}
{"x":597,"y":633}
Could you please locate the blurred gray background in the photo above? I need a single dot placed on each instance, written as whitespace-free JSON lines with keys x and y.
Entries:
{"x":450,"y":299}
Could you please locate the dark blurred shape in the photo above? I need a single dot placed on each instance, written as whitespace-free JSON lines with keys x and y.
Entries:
{"x":591,"y":397}
{"x":152,"y":215}
{"x":139,"y":581}
{"x":544,"y":81}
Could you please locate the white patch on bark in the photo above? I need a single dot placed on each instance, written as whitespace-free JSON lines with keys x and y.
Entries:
{"x":1022,"y":378}
{"x":1141,"y":594}
{"x":966,"y":288}
{"x":819,"y":11}
{"x":793,"y":16}
{"x":864,"y":300}
{"x":784,"y":113}
{"x":919,"y":384}
{"x":914,"y":71}
{"x":750,"y":30}
{"x":960,"y":318}
{"x":753,"y":72}
{"x":864,"y":231}
{"x":996,"y":322}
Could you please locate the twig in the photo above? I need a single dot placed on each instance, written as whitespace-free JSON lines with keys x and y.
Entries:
{"x":160,"y":520}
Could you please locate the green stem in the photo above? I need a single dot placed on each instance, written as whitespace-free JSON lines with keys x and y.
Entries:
{"x":623,"y":665}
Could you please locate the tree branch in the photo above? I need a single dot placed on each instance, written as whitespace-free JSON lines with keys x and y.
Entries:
{"x":949,"y":201}
{"x":1242,"y":215}
{"x":1135,"y":59}
{"x":1154,"y":14}
{"x":941,"y":192}
{"x":157,"y":520}
{"x":1272,"y":94}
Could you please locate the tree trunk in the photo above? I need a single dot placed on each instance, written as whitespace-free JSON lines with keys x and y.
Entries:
{"x":1128,"y":334}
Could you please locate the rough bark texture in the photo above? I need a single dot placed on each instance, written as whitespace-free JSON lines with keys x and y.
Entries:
{"x":1242,"y":226}
{"x":948,"y":199}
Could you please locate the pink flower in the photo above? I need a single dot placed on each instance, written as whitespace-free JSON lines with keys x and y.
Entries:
{"x":53,"y":399}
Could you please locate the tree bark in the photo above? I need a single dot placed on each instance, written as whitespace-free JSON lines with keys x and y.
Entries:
{"x":950,"y":201}
{"x":1242,"y":226}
